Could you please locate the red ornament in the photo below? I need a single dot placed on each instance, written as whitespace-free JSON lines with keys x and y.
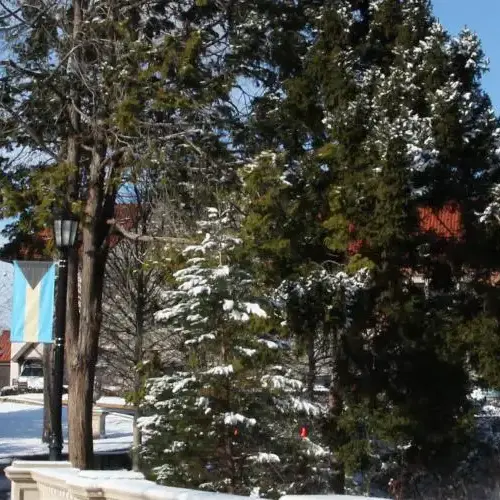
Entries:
{"x":303,"y":432}
{"x":235,"y":432}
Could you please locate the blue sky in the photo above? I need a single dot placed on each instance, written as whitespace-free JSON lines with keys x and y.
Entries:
{"x":483,"y":17}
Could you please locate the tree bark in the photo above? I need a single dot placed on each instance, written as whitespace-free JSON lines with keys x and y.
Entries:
{"x":83,"y":356}
{"x":99,"y":207}
{"x":79,"y":408}
{"x":81,"y":452}
{"x":311,"y":366}
{"x":139,"y":347}
{"x":47,"y":392}
{"x":335,"y":408}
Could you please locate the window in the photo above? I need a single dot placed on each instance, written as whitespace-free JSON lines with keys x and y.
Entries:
{"x":32,"y":370}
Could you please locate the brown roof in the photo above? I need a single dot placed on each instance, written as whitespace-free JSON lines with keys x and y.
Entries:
{"x":127,"y":214}
{"x":5,"y":346}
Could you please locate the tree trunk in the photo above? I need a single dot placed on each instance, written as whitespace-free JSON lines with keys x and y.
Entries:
{"x":99,"y":207}
{"x":83,"y":358}
{"x":335,"y":408}
{"x":311,"y":366}
{"x":81,"y":453}
{"x":47,"y":392}
{"x":139,"y":347}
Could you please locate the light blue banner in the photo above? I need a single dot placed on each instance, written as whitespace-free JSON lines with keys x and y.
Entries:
{"x":33,"y":302}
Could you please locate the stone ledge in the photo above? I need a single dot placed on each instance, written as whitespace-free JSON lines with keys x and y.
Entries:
{"x":52,"y":480}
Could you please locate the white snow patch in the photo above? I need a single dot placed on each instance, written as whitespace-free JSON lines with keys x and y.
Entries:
{"x":314,"y":449}
{"x":112,"y":400}
{"x":246,"y":352}
{"x":21,"y":431}
{"x":228,"y":305}
{"x":265,"y":458}
{"x":220,"y":370}
{"x":221,"y":272}
{"x":281,"y":382}
{"x":237,"y":418}
{"x":181,"y":384}
{"x":239,"y":316}
{"x":200,"y":339}
{"x":253,"y":308}
{"x":268,"y":343}
{"x":302,"y":405}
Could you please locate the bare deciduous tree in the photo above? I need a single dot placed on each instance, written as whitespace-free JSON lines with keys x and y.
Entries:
{"x":133,"y":288}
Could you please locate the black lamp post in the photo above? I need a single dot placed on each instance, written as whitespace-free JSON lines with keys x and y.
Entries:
{"x":65,"y":230}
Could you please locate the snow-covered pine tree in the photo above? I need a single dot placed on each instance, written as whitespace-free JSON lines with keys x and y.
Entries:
{"x":230,"y":420}
{"x":324,"y":301}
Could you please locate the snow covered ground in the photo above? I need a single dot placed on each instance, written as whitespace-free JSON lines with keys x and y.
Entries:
{"x":37,"y":398}
{"x":21,"y":430}
{"x":112,"y":401}
{"x":28,"y":398}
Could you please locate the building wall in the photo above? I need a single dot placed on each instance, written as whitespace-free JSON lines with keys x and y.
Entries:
{"x":4,"y":374}
{"x":14,"y":371}
{"x":14,"y":366}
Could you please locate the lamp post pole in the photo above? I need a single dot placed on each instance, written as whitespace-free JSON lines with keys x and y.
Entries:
{"x":56,"y":439}
{"x":65,"y":232}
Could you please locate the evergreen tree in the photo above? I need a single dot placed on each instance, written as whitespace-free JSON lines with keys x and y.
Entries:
{"x":406,"y":126}
{"x":230,"y":420}
{"x":410,"y":127}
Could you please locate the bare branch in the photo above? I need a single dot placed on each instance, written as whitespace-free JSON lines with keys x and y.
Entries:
{"x":119,"y":229}
{"x":31,"y":132}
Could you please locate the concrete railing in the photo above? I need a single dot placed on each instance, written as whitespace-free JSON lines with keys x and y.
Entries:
{"x":53,"y":480}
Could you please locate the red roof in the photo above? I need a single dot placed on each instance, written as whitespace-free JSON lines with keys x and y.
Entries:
{"x":33,"y":247}
{"x":5,"y":347}
{"x":445,"y":222}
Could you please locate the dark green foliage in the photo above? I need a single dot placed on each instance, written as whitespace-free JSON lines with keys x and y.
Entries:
{"x":384,"y":118}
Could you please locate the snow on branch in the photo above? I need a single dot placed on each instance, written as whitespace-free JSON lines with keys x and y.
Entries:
{"x":281,"y":382}
{"x":220,"y":370}
{"x":231,"y":418}
{"x":265,"y":458}
{"x":492,"y":212}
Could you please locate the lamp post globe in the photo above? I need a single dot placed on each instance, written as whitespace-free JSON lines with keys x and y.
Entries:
{"x":65,"y":231}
